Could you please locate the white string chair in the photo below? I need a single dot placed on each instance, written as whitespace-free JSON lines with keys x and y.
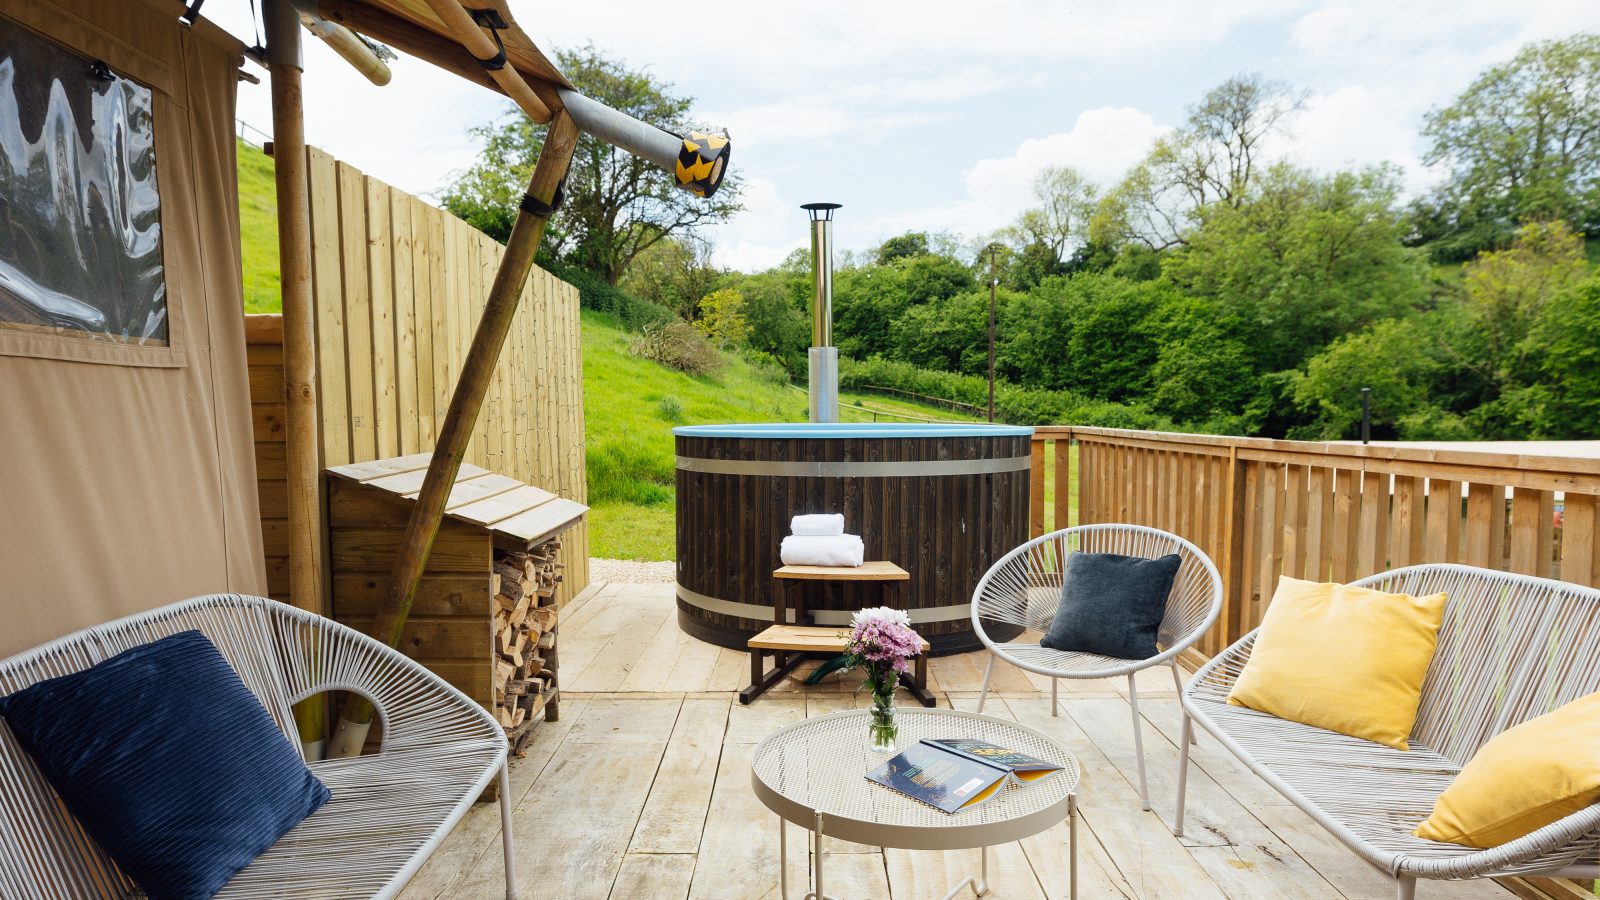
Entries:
{"x":1511,"y":648}
{"x":388,"y":812}
{"x":1023,"y":590}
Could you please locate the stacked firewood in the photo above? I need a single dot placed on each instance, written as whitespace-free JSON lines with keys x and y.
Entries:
{"x":525,"y":638}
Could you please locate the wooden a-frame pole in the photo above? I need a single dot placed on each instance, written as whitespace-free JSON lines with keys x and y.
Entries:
{"x":301,"y":439}
{"x":355,"y":716}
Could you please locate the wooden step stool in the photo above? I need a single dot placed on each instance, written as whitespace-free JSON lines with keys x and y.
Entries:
{"x":792,"y":644}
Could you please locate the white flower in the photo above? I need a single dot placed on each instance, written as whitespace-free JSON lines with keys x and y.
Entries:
{"x":880,"y":614}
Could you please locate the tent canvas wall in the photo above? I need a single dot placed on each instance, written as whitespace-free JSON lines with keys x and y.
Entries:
{"x":126,"y":472}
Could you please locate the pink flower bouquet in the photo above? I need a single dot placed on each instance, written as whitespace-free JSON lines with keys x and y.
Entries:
{"x":882,"y":642}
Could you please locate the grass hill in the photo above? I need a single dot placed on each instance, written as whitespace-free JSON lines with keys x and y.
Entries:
{"x":258,"y":230}
{"x":630,"y":404}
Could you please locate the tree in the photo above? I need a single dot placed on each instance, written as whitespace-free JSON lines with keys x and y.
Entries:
{"x":905,"y":246}
{"x":868,"y":299}
{"x":1502,"y":352}
{"x":1508,"y":292}
{"x":1302,"y":260}
{"x":1570,"y":331}
{"x":617,"y":205}
{"x":675,"y":272}
{"x":722,"y":318}
{"x":1213,"y":158}
{"x":1066,"y":199}
{"x":1396,"y":358}
{"x":1523,"y":141}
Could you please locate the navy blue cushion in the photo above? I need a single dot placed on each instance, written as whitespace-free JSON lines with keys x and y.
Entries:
{"x":169,"y":762}
{"x":1112,"y":604}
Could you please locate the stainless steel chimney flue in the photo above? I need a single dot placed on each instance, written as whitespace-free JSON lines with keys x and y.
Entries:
{"x":823,"y":357}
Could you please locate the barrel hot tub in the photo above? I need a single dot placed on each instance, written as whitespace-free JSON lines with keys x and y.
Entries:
{"x":941,"y":501}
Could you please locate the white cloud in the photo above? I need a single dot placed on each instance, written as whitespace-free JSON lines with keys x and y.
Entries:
{"x":1101,"y":144}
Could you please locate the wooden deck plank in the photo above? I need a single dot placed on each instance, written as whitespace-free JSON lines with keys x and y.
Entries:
{"x":478,"y":834}
{"x":1240,"y":854}
{"x":658,"y":875}
{"x":675,"y":813}
{"x":609,"y":670}
{"x":739,"y":849}
{"x":580,"y":818}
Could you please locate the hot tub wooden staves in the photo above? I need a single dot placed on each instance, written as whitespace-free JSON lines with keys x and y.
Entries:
{"x":942,"y":501}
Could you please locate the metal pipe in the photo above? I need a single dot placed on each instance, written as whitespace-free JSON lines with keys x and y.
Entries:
{"x":344,"y":42}
{"x":823,"y":358}
{"x":821,"y":272}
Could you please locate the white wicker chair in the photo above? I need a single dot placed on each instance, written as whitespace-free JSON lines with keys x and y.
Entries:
{"x":388,"y":812}
{"x":1511,"y":648}
{"x":1023,"y":590}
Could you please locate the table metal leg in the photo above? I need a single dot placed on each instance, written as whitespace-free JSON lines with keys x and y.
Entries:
{"x":816,"y":860}
{"x":1072,"y":846}
{"x":783,"y":858}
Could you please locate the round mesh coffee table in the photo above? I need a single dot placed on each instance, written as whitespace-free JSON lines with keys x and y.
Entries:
{"x":813,"y":773}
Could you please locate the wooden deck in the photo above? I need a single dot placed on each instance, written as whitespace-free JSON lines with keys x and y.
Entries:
{"x":642,"y":790}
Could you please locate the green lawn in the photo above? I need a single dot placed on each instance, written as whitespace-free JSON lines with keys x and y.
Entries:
{"x":258,"y":231}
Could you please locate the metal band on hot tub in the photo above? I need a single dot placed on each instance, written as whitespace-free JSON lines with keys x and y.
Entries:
{"x":821,"y":616}
{"x":822,"y":469}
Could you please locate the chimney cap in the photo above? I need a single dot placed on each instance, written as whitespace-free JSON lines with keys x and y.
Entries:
{"x":820,"y":210}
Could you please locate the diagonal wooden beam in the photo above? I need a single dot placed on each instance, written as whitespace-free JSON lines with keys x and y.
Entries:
{"x":476,"y":372}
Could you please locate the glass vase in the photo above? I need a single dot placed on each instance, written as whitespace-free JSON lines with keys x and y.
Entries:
{"x":881,"y":727}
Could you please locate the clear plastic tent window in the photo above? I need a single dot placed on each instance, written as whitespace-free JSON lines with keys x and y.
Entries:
{"x":80,"y":217}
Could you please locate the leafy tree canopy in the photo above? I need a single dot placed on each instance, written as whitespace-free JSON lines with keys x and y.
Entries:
{"x":617,"y":205}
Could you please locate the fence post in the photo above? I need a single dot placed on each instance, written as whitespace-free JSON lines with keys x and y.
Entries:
{"x":1232,"y":568}
{"x":1036,"y":486}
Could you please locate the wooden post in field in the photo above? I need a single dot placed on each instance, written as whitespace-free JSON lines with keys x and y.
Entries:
{"x":477,"y":370}
{"x":299,"y":341}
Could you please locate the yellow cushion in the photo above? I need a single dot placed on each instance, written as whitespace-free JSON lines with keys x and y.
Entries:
{"x":1523,"y":779}
{"x":1343,"y":658}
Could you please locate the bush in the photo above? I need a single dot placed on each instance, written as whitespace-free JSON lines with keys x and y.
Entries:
{"x":670,"y":409}
{"x":765,"y":366}
{"x":1016,"y":405}
{"x":677,"y":345}
{"x":594,"y":293}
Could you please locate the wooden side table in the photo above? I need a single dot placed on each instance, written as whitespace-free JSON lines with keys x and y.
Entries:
{"x":791,"y":644}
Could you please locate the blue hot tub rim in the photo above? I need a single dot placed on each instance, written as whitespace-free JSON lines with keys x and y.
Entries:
{"x":850,"y":430}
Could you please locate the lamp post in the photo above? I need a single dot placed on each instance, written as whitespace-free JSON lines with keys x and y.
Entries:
{"x":1366,"y":415}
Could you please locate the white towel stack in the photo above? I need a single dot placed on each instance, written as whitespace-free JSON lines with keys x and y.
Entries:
{"x":819,"y":540}
{"x":818,"y":525}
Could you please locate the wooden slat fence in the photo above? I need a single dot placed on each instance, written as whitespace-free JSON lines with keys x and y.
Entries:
{"x":398,"y":288}
{"x":1329,"y":511}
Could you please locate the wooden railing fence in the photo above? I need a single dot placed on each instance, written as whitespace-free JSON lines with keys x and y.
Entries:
{"x":1263,"y":508}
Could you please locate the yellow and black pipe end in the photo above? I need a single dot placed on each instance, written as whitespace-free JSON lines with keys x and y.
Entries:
{"x":702,"y":162}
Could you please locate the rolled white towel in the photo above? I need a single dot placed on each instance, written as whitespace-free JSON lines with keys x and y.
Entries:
{"x":822,"y":550}
{"x":820,"y":524}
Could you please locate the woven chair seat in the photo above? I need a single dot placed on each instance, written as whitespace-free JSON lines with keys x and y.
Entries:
{"x":1062,"y":663}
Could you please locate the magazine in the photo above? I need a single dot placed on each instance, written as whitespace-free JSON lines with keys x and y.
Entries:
{"x":953,"y":774}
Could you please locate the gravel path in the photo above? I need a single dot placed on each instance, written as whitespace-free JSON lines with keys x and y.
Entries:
{"x":630,"y":571}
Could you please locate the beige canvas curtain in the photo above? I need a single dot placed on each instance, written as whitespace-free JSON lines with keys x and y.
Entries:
{"x":127,"y":479}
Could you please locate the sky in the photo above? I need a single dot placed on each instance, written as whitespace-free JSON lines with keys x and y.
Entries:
{"x":935,"y":116}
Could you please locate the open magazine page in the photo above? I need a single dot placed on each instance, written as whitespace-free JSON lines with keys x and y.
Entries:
{"x":939,"y":778}
{"x":1023,"y":766}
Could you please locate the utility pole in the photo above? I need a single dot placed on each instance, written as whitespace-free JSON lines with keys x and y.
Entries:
{"x":993,"y":281}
